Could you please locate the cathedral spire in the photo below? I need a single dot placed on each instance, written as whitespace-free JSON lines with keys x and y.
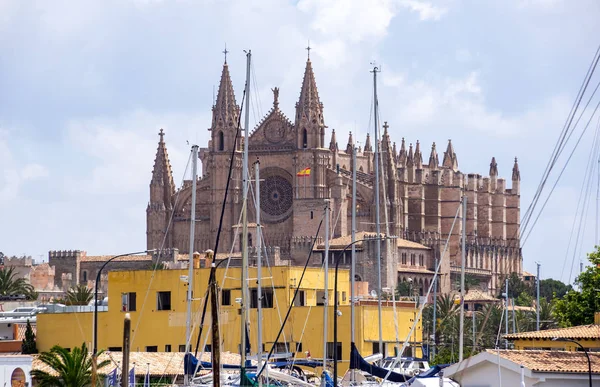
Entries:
{"x":493,"y":167}
{"x":225,"y":110}
{"x":516,"y":175}
{"x":402,"y":154}
{"x":333,"y":145}
{"x":162,"y":185}
{"x":395,"y":152}
{"x":433,"y":158}
{"x":418,"y":156}
{"x":368,"y":147}
{"x":350,"y":145}
{"x":450,"y":160}
{"x":309,"y":106}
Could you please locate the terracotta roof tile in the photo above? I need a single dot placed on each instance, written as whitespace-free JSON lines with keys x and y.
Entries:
{"x":406,"y":244}
{"x":552,"y":361}
{"x":160,"y":363}
{"x":591,"y":331}
{"x":341,"y":242}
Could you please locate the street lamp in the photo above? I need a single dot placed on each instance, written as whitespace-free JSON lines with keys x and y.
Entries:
{"x":95,"y":330}
{"x":336,"y":312}
{"x":584,"y":351}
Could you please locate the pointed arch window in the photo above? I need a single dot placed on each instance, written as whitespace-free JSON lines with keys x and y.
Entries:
{"x":304,"y":138}
{"x":221,"y":141}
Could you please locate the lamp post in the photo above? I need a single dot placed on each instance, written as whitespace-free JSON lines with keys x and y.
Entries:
{"x":95,"y":330}
{"x":584,"y":351}
{"x":335,"y":302}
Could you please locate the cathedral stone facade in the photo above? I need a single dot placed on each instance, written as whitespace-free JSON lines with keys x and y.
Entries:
{"x":422,"y":198}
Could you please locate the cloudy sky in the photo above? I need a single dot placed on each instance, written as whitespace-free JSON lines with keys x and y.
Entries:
{"x":85,"y":87}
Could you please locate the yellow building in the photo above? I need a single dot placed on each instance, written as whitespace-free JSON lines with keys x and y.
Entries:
{"x":156,"y":301}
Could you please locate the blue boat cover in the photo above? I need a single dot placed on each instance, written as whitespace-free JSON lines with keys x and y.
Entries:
{"x":357,"y":362}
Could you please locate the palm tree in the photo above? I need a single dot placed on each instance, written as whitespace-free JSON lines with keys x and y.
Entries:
{"x":12,"y":286}
{"x":79,"y":295}
{"x":69,"y":369}
{"x":471,"y":282}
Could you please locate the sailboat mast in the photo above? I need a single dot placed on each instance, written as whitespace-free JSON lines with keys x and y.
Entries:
{"x":461,"y":337}
{"x":244,"y":284}
{"x":326,"y":286}
{"x":377,"y":223}
{"x":258,"y":269}
{"x":188,"y":321}
{"x":353,"y":265}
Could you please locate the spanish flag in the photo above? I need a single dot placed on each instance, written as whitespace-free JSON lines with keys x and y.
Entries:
{"x":304,"y":172}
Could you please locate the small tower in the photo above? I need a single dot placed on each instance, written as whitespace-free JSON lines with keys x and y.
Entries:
{"x":225,"y":115}
{"x":350,"y":145}
{"x":433,"y":158}
{"x":402,"y":154}
{"x":310,"y":126}
{"x":450,"y":160}
{"x":368,"y":148}
{"x":162,"y":189}
{"x":516,"y":179}
{"x":418,"y":156}
{"x":333,"y":145}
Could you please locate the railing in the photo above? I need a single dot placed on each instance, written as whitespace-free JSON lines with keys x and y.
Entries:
{"x":471,"y":270}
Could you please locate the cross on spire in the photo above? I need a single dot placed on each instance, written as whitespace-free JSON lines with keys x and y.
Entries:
{"x":225,"y":52}
{"x":308,"y":48}
{"x":161,"y":134}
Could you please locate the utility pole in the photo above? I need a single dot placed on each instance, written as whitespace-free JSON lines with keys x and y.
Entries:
{"x":537,"y":303}
{"x":434,"y":309}
{"x":506,"y":314}
{"x":461,"y":338}
{"x":126,"y":349}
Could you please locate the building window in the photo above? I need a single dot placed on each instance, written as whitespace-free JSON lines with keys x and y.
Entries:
{"x":249,"y":240}
{"x":420,"y":259}
{"x":312,"y":215}
{"x":376,"y":349}
{"x":207,"y":348}
{"x":300,"y":299}
{"x":404,"y":258}
{"x":304,"y":138}
{"x":221,"y":141}
{"x":85,"y":276}
{"x":181,"y":347}
{"x":299,"y":347}
{"x":167,"y":347}
{"x":343,"y":296}
{"x":163,"y":300}
{"x":226,"y":297}
{"x":115,"y":349}
{"x":330,"y":350}
{"x":412,"y":259}
{"x":320,"y":297}
{"x":128,"y":302}
{"x":267,"y":298}
{"x":152,"y":348}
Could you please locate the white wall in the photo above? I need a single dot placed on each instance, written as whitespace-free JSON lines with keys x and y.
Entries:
{"x":9,"y":363}
{"x":485,"y":374}
{"x":6,"y":330}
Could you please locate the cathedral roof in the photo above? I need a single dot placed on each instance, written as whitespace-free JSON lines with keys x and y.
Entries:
{"x":225,"y":110}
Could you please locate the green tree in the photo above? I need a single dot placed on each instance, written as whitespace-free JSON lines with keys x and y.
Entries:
{"x":72,"y":369}
{"x":29,"y":346}
{"x":79,"y":295}
{"x":10,"y":285}
{"x":471,"y":282}
{"x":524,"y":299}
{"x":403,"y":289}
{"x":516,"y":286}
{"x":551,"y":289}
{"x":577,"y":307}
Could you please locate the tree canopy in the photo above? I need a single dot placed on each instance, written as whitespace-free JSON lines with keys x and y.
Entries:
{"x":10,"y":285}
{"x":577,"y":307}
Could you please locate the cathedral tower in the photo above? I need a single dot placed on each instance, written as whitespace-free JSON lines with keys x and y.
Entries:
{"x":225,"y":114}
{"x":162,"y":189}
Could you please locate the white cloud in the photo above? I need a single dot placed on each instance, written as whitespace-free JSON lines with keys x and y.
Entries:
{"x":425,"y":9}
{"x":124,"y":147}
{"x":14,"y":173}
